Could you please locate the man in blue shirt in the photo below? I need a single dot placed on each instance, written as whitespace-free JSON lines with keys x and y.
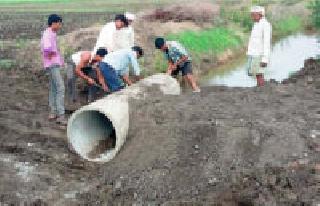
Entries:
{"x":178,"y":60}
{"x":118,"y":63}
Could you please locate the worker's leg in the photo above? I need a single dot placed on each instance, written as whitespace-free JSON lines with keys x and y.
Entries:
{"x":187,"y":74}
{"x":190,"y":79}
{"x":249,"y":66}
{"x":71,"y":84}
{"x":59,"y":90}
{"x":52,"y":102}
{"x":111,"y":77}
{"x":92,"y":89}
{"x":260,"y":80}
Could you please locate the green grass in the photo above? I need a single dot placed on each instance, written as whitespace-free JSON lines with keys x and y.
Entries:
{"x":159,"y":63}
{"x":215,"y":40}
{"x":287,"y":26}
{"x":77,"y":5}
{"x":7,"y":64}
{"x":30,"y":1}
{"x":210,"y":42}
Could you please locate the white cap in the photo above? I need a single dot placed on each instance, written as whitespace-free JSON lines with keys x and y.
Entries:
{"x":258,"y":9}
{"x":130,"y":16}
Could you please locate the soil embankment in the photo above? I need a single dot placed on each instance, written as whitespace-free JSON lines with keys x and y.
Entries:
{"x":224,"y":145}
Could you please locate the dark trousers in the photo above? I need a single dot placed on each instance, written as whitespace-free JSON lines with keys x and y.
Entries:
{"x":110,"y":76}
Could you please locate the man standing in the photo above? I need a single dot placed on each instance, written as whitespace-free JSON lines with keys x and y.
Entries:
{"x":124,"y":38}
{"x":129,"y":29}
{"x":53,"y":62}
{"x":119,"y":61}
{"x":259,"y":45}
{"x":108,"y":34}
{"x":85,"y":68}
{"x":178,"y":60}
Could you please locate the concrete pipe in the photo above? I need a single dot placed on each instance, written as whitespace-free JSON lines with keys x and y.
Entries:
{"x":97,"y":131}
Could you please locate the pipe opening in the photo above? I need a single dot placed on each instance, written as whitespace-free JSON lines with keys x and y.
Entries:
{"x":92,"y":134}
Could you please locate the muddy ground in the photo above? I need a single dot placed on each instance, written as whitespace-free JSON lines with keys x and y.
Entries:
{"x":224,"y":146}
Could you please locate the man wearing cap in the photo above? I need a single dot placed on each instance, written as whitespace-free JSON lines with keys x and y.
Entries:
{"x":85,"y":68}
{"x":259,"y":45}
{"x":108,"y":34}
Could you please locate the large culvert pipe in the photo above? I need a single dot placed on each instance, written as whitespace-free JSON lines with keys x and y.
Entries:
{"x":97,"y":131}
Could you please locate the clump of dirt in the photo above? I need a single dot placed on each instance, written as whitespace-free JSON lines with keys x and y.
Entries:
{"x":103,"y":145}
{"x":203,"y":12}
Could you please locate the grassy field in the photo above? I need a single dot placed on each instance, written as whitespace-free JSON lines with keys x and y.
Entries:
{"x":78,"y":5}
{"x":215,"y":40}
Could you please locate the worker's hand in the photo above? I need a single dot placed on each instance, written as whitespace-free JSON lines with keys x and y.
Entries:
{"x":138,"y":78}
{"x":105,"y":88}
{"x":174,"y":67}
{"x":263,"y":64}
{"x":91,"y":81}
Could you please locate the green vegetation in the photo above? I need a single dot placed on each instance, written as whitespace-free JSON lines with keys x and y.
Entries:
{"x":21,"y":43}
{"x":30,"y":1}
{"x":160,"y":64}
{"x":7,"y":63}
{"x":77,"y":5}
{"x":287,"y":26}
{"x":242,"y":17}
{"x":210,"y":42}
{"x":314,"y":6}
{"x":215,"y":40}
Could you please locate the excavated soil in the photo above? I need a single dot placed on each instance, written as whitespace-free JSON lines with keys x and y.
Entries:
{"x":224,"y":146}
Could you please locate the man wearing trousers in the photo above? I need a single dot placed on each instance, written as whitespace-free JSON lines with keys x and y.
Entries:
{"x":53,"y":62}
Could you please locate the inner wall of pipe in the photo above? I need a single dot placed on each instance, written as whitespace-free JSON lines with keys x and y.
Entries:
{"x":93,"y":134}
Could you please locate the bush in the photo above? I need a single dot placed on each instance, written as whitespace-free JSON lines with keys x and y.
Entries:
{"x":287,"y":26}
{"x":314,"y":6}
{"x":243,"y":18}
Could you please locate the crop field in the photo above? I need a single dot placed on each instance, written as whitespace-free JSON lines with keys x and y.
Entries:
{"x":77,"y":5}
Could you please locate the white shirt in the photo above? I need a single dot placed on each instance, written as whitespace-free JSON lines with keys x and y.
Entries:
{"x":76,"y":57}
{"x":130,"y":32}
{"x":106,"y":36}
{"x":120,"y":61}
{"x":260,"y":40}
{"x":123,"y":39}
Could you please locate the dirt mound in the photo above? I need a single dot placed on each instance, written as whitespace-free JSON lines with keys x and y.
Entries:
{"x":197,"y":12}
{"x":82,"y":39}
{"x":228,"y":146}
{"x":310,"y":74}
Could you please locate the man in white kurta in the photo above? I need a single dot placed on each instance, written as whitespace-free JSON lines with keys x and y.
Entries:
{"x":130,"y":31}
{"x":111,"y":34}
{"x":124,"y":38}
{"x":259,"y":45}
